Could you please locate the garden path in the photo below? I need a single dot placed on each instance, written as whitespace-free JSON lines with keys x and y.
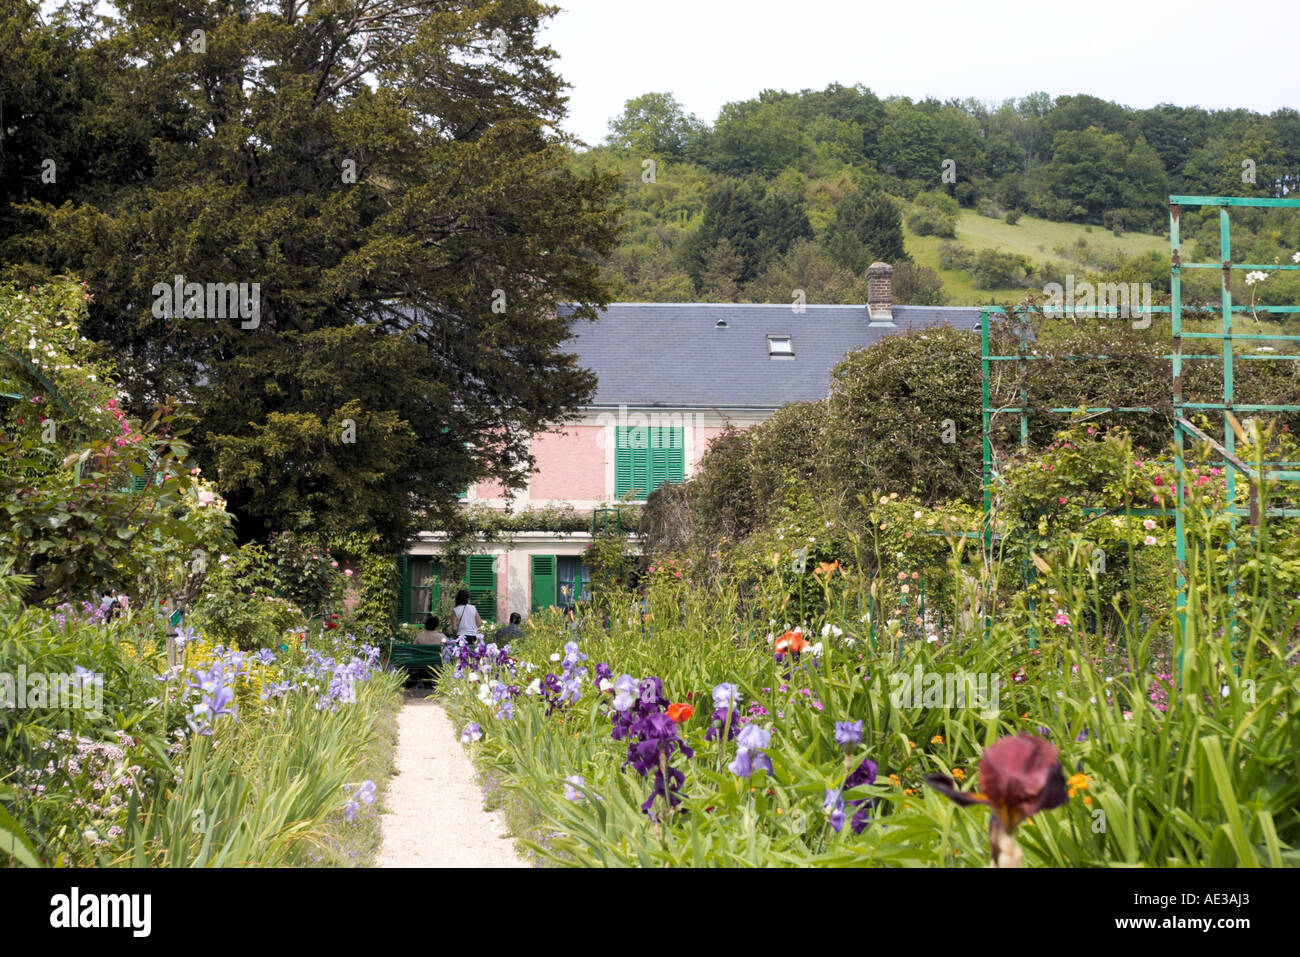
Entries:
{"x":436,"y":816}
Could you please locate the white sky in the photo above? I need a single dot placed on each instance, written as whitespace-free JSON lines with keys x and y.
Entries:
{"x":1135,"y":52}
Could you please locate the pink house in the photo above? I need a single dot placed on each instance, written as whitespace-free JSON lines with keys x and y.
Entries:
{"x":671,"y":377}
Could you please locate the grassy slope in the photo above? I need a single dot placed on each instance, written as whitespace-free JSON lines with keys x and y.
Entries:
{"x":1035,"y":238}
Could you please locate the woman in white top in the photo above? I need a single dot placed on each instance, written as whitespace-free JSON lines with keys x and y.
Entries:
{"x":465,"y":617}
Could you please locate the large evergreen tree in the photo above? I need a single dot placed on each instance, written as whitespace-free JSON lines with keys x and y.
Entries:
{"x":389,"y":174}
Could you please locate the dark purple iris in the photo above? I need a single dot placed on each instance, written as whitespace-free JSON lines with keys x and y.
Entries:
{"x":671,"y":793}
{"x":602,"y":674}
{"x":652,"y":694}
{"x":718,"y":721}
{"x":864,"y":773}
{"x":653,"y":741}
{"x":652,"y":736}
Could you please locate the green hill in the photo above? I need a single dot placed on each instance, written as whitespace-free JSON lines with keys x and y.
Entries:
{"x":1040,"y":240}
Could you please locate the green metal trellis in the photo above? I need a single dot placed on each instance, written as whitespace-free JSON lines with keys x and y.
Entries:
{"x":1183,"y":428}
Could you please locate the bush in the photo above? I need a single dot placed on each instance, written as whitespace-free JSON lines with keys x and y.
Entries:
{"x":934,"y":213}
{"x":893,"y":408}
{"x":1012,"y":217}
{"x":998,"y":270}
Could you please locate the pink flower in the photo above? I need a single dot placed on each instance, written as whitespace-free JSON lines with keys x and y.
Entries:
{"x":334,"y":564}
{"x":1156,"y":499}
{"x":348,"y":572}
{"x":1214,"y":471}
{"x":1202,"y":480}
{"x":1149,"y":540}
{"x":1149,"y":524}
{"x":1156,"y":480}
{"x":1137,"y":464}
{"x":1061,"y":617}
{"x":206,"y":497}
{"x":1061,"y":500}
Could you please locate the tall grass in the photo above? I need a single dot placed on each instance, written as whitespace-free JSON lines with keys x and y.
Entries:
{"x":1202,"y":771}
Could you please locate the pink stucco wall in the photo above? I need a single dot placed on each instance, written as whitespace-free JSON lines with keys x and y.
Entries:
{"x":703,"y":436}
{"x":489,"y":489}
{"x":503,"y":589}
{"x":570,"y":464}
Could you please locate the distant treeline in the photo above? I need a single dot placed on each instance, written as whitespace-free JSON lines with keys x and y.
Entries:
{"x":810,"y":187}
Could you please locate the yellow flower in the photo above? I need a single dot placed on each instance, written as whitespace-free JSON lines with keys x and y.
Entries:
{"x":1077,"y":782}
{"x":937,"y":739}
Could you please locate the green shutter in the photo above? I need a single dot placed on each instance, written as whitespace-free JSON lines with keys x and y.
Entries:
{"x":463,"y":495}
{"x":435,"y":587}
{"x":481,"y":577}
{"x":543,"y":573}
{"x":622,"y":464}
{"x":404,"y":593}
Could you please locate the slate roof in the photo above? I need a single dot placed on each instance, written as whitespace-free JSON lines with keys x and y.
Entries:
{"x":676,"y":355}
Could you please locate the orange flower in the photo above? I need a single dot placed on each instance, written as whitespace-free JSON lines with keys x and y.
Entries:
{"x":937,"y":739}
{"x":827,"y":568}
{"x":893,"y":781}
{"x":791,"y":642}
{"x":958,"y":774}
{"x":680,"y":712}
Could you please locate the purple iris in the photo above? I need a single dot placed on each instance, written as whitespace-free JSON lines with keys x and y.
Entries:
{"x":747,"y":762}
{"x":834,"y":807}
{"x":726,"y":696}
{"x":864,"y":773}
{"x":626,"y":692}
{"x":750,"y":756}
{"x":848,"y":735}
{"x":573,"y":786}
{"x":653,"y":740}
{"x":602,"y":674}
{"x":652,"y":736}
{"x":718,"y":721}
{"x":652,"y":694}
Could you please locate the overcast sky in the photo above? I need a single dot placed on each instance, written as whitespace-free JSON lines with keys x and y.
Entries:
{"x":1135,"y":52}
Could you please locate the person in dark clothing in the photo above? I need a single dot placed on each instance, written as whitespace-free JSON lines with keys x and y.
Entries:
{"x":511,"y":630}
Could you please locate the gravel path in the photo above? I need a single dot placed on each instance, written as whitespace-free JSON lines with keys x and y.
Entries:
{"x":436,"y":816}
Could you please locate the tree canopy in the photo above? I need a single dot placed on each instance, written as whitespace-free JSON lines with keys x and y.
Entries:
{"x":384,"y":185}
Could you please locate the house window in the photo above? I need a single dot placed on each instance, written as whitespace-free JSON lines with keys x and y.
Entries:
{"x":421,"y":592}
{"x":574,"y":579}
{"x":647,"y":457}
{"x":780,"y":347}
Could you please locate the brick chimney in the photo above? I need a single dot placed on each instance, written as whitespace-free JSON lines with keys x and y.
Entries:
{"x":880,"y":294}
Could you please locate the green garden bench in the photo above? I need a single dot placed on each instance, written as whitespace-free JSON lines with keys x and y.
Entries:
{"x":416,"y":658}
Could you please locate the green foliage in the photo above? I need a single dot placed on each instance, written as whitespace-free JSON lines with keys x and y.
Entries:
{"x":240,"y":608}
{"x":380,"y":375}
{"x":653,"y":124}
{"x":891,"y":406}
{"x":934,"y":213}
{"x":867,"y":228}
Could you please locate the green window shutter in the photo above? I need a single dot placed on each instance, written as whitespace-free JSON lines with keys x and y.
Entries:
{"x":435,"y":587}
{"x":463,"y":495}
{"x":640,"y":472}
{"x":404,"y":593}
{"x":481,"y":577}
{"x":676,"y":468}
{"x":543,"y":574}
{"x":139,"y":483}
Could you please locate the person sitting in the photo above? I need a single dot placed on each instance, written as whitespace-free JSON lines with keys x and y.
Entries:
{"x":431,"y":635}
{"x":511,"y":630}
